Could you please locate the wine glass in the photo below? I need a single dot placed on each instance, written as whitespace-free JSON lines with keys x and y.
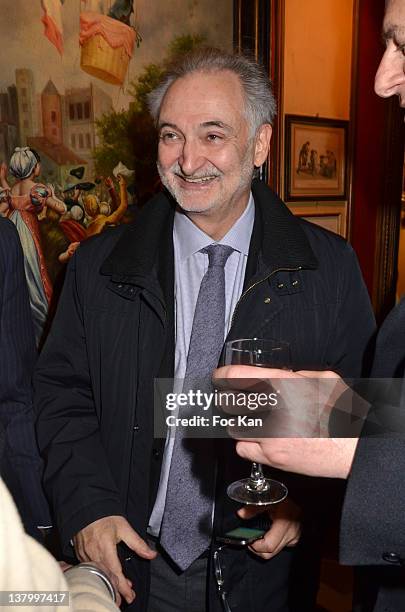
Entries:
{"x":265,"y":353}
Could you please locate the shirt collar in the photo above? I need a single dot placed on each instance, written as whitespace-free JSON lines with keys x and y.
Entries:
{"x":190,"y":239}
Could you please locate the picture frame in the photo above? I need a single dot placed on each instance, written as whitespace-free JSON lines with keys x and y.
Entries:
{"x":315,"y":158}
{"x":329,"y":215}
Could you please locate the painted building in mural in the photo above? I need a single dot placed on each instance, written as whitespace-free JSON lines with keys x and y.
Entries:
{"x":27,"y":104}
{"x":60,"y":125}
{"x":9,"y":127}
{"x":52,"y":114}
{"x":83,"y":106}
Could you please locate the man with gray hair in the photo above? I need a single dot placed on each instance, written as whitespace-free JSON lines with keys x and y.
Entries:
{"x":212,"y":258}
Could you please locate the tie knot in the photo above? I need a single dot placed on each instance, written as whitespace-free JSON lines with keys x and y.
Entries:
{"x":217,"y":254}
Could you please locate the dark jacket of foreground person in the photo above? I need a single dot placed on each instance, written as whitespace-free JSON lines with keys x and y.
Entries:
{"x":20,"y":464}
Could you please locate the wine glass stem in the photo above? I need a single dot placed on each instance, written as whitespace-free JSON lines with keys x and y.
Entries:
{"x":257,"y":476}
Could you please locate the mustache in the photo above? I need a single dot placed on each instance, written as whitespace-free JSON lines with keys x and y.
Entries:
{"x":209,"y":172}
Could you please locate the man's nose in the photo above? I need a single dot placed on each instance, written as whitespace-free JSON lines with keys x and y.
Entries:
{"x":390,"y":74}
{"x":191,"y":158}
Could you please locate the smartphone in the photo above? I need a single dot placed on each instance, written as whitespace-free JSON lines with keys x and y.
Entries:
{"x":241,"y":536}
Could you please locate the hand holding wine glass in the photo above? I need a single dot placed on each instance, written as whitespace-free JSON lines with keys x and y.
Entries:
{"x":257,"y":489}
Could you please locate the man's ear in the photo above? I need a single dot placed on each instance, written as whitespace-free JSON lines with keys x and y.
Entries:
{"x":262,"y":144}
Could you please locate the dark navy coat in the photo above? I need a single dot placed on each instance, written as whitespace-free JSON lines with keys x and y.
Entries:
{"x":20,"y":463}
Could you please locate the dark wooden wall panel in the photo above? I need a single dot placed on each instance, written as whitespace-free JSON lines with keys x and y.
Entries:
{"x":258,"y":31}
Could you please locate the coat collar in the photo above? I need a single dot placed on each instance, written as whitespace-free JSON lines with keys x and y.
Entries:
{"x":136,"y":252}
{"x":277,"y":234}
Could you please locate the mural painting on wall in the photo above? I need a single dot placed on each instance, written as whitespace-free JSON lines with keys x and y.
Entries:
{"x":77,"y":146}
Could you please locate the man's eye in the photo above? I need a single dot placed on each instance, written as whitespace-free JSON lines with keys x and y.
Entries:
{"x":168,"y":136}
{"x":214,"y":137}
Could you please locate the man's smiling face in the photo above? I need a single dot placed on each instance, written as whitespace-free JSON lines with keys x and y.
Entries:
{"x":206,"y":150}
{"x":390,"y":77}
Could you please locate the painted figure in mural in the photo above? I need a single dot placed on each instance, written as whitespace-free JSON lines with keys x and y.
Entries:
{"x":72,"y":223}
{"x":55,"y":247}
{"x":128,"y":314}
{"x":101,"y":221}
{"x":4,"y":201}
{"x":95,"y":216}
{"x":27,"y":199}
{"x":91,"y":206}
{"x":109,"y":184}
{"x":122,"y":10}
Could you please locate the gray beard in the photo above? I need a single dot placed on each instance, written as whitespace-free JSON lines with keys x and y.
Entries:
{"x":176,"y":191}
{"x":246,"y":177}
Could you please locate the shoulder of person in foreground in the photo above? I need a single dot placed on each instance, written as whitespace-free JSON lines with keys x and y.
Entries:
{"x":9,"y":242}
{"x":373,"y":526}
{"x":28,"y":566}
{"x":7,"y":227}
{"x":17,"y":340}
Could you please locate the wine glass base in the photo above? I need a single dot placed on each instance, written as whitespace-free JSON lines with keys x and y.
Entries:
{"x":242,"y":492}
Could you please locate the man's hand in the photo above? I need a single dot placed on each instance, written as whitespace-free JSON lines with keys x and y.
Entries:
{"x":98,"y":543}
{"x":285,"y":530}
{"x":306,"y":399}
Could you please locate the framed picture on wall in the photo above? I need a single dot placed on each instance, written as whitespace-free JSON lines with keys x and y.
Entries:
{"x":315,"y":158}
